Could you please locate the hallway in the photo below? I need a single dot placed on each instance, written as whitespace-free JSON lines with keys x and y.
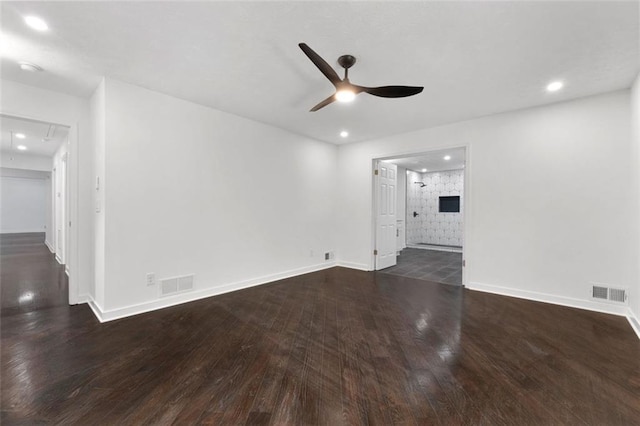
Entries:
{"x":31,"y":278}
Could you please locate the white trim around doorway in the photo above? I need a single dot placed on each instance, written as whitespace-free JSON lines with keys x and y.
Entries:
{"x":73,"y":183}
{"x":467,"y":206}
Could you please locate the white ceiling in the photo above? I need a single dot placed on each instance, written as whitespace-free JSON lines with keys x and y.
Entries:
{"x":474,"y":58}
{"x":433,"y":161}
{"x":40,"y":138}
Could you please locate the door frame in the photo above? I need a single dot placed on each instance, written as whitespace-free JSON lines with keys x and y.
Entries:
{"x":67,"y":209}
{"x":54,"y":207}
{"x":466,"y":208}
{"x":61,"y":209}
{"x":72,"y":200}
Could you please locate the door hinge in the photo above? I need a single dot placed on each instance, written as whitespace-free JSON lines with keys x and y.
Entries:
{"x":464,"y":263}
{"x":375,"y":252}
{"x":375,"y":172}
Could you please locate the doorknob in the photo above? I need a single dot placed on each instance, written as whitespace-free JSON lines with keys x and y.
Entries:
{"x":415,"y":214}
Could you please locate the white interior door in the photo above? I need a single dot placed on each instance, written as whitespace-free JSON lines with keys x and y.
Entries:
{"x":386,"y":184}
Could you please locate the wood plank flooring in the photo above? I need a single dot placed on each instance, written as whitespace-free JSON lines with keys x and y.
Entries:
{"x":30,"y":276}
{"x":332,"y":347}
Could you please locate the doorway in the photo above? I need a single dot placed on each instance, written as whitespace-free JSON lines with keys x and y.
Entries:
{"x":34,"y":232}
{"x":430,"y":216}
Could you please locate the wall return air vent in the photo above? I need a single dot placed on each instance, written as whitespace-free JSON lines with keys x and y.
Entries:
{"x":176,"y":285}
{"x":609,"y":294}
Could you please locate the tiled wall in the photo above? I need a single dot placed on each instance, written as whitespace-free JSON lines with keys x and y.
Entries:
{"x":430,"y":226}
{"x":414,"y":224}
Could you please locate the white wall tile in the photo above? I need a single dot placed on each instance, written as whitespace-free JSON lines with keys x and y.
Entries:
{"x":431,"y":226}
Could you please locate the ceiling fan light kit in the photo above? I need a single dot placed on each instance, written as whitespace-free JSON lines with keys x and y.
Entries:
{"x":345,"y":95}
{"x":345,"y":90}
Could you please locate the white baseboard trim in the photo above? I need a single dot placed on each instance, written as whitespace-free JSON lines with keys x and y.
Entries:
{"x":165,"y":302}
{"x":353,"y":265}
{"x":635,"y":323}
{"x":97,"y":310}
{"x":49,"y":246}
{"x":550,"y":298}
{"x":84,"y":298}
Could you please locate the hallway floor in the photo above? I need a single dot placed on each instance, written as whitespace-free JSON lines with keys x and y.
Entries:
{"x":430,"y":265}
{"x":30,"y":276}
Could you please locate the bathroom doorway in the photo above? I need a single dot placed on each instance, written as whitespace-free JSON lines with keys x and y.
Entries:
{"x":430,"y":216}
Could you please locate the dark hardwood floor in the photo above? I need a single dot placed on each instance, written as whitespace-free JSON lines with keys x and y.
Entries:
{"x":30,"y":276}
{"x":332,"y":347}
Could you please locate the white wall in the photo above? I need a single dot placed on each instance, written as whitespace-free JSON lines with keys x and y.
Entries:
{"x":16,"y":160}
{"x":31,"y":102}
{"x":23,"y":201}
{"x":30,"y":166}
{"x":98,"y":126}
{"x":192,"y":190}
{"x":539,"y":182}
{"x":43,"y":167}
{"x":634,"y":293}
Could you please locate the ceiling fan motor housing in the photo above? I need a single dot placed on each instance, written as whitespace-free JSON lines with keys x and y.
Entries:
{"x":346,"y":61}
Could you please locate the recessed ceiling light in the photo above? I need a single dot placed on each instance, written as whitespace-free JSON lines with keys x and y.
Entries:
{"x":20,"y":135}
{"x":447,"y":157}
{"x":344,"y":133}
{"x":345,"y":95}
{"x":424,"y":170}
{"x":554,"y":86}
{"x":22,"y":147}
{"x":36,"y":23}
{"x":26,"y":66}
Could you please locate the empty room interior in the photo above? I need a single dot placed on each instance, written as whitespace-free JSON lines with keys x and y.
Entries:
{"x":320,"y":212}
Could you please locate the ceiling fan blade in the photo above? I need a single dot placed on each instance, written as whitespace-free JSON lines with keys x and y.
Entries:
{"x":323,"y":103}
{"x":390,"y":91}
{"x":322,"y":65}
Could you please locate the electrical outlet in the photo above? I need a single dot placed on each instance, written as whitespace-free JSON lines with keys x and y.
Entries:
{"x":151,"y":278}
{"x":328,"y":255}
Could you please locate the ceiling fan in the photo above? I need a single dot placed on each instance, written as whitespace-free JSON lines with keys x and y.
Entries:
{"x":345,"y":90}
